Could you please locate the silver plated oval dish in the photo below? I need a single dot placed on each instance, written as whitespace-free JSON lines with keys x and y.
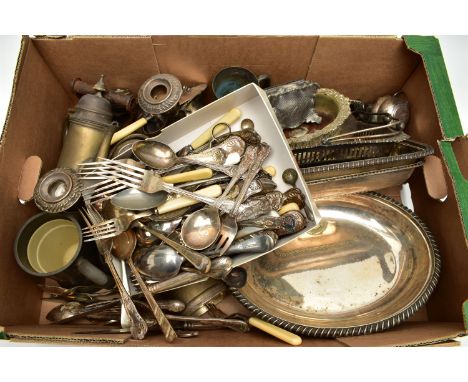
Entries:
{"x":372,"y":267}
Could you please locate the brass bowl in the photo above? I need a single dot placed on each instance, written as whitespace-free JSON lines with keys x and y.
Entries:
{"x":373,"y":266}
{"x":334,"y":108}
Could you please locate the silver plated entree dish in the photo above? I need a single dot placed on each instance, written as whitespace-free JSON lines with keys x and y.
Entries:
{"x":373,"y":265}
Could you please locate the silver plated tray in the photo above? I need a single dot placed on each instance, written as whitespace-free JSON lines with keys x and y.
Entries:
{"x":372,"y":267}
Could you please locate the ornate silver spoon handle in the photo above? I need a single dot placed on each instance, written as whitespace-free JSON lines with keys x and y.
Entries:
{"x":247,"y":161}
{"x":168,"y":331}
{"x":228,"y":170}
{"x":181,"y":280}
{"x":213,"y":156}
{"x":224,"y":206}
{"x":262,"y":154}
{"x":138,"y":326}
{"x":210,"y":323}
{"x":266,"y":222}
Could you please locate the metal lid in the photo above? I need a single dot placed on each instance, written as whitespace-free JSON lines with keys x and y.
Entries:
{"x":94,"y":107}
{"x":160,"y":94}
{"x":57,"y":190}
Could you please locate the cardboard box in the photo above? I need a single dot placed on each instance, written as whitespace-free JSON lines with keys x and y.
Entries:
{"x":359,"y":67}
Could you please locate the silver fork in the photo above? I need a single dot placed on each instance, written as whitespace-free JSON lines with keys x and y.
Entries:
{"x":138,"y":326}
{"x":112,"y":227}
{"x":116,"y":176}
{"x":169,"y":333}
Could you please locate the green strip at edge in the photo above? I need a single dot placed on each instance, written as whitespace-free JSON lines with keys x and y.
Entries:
{"x":429,"y":49}
{"x":465,"y":314}
{"x":459,"y":181}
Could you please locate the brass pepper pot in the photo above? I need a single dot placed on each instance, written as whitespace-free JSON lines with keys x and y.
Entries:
{"x":90,"y":129}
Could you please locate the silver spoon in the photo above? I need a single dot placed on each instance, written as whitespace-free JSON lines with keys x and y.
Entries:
{"x":201,"y":229}
{"x":160,"y":156}
{"x":145,"y":239}
{"x":259,"y":242}
{"x":135,"y":200}
{"x":158,"y":263}
{"x":123,"y":250}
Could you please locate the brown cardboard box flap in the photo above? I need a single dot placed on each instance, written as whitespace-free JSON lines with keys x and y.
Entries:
{"x":410,"y":334}
{"x":446,"y":344}
{"x":196,"y":59}
{"x":229,"y":338}
{"x":369,"y":61}
{"x":31,"y":129}
{"x":30,"y":174}
{"x":434,"y":176}
{"x":126,"y":61}
{"x":64,"y":334}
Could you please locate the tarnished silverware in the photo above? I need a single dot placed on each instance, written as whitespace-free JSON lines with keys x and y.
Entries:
{"x":198,"y":260}
{"x":138,"y":326}
{"x":262,"y":153}
{"x":233,"y":147}
{"x":124,"y":251}
{"x":252,"y":208}
{"x":258,"y":242}
{"x":227,"y":234}
{"x":203,"y":227}
{"x":199,"y":323}
{"x":158,"y":263}
{"x":116,"y":176}
{"x":185,"y":323}
{"x":160,"y":156}
{"x":286,"y":224}
{"x":103,"y":310}
{"x":114,"y":226}
{"x":252,"y":163}
{"x":260,"y":186}
{"x":220,"y":125}
{"x":223,"y":269}
{"x":198,"y":297}
{"x":145,"y":239}
{"x":258,"y":205}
